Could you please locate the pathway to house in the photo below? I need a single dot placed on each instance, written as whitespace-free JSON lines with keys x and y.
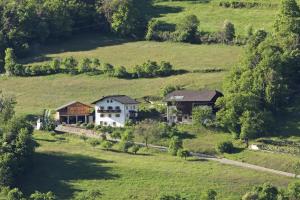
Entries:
{"x":92,"y":134}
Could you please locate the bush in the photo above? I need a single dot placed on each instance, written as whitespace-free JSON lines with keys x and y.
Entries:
{"x":183,"y":153}
{"x":174,"y":145}
{"x":225,"y":147}
{"x":15,"y":194}
{"x":209,"y":195}
{"x":90,"y":126}
{"x":201,"y":115}
{"x":92,"y":194}
{"x":106,"y":145}
{"x":94,"y":142}
{"x":124,"y":146}
{"x":42,"y":196}
{"x":170,"y":197}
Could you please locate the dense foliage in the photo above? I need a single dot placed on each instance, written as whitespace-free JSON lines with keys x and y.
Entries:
{"x":266,"y":79}
{"x":16,"y":143}
{"x":270,"y":192}
{"x":26,"y":24}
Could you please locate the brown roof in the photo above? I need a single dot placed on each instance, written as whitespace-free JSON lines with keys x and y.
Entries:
{"x":69,"y":104}
{"x":120,"y":98}
{"x":189,"y":95}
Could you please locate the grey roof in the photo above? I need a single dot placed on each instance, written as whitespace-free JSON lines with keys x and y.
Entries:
{"x":69,"y":104}
{"x":194,"y":96}
{"x":120,"y":98}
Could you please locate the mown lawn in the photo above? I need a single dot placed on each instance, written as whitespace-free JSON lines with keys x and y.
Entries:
{"x":67,"y":165}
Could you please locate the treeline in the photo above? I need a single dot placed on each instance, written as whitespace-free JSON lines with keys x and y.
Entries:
{"x":26,"y":24}
{"x":188,"y":30}
{"x":265,"y":81}
{"x":246,"y":4}
{"x":70,"y":65}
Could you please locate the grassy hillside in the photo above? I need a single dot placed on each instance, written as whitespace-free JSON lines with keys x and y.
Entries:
{"x":68,"y":166}
{"x":212,"y":16}
{"x":130,"y":53}
{"x":36,"y":93}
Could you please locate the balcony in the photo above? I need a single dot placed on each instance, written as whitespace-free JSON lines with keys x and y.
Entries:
{"x":109,"y":111}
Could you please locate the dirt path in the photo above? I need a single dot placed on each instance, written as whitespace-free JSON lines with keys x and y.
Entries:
{"x":225,"y":161}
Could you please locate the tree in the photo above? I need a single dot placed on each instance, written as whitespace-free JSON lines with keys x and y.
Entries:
{"x":228,"y":31}
{"x":148,"y":130}
{"x":121,"y":72}
{"x":70,"y":65}
{"x":209,"y":195}
{"x":201,"y":114}
{"x":10,"y":61}
{"x":85,"y":65}
{"x":293,"y":190}
{"x":288,"y":19}
{"x":174,"y":145}
{"x":7,"y":105}
{"x":108,"y":69}
{"x":135,"y":149}
{"x":187,"y":29}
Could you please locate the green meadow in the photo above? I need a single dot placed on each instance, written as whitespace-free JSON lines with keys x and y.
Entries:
{"x":68,"y":165}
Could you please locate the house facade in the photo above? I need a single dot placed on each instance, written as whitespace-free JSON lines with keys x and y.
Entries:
{"x":180,"y":103}
{"x":74,"y":112}
{"x":115,"y":110}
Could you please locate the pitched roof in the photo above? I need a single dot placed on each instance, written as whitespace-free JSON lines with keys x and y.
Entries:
{"x":69,"y":104}
{"x":120,"y":98}
{"x":189,"y":95}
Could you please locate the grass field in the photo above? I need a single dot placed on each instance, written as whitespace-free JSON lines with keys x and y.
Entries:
{"x":67,"y":166}
{"x":36,"y":93}
{"x":120,"y":52}
{"x":212,"y":16}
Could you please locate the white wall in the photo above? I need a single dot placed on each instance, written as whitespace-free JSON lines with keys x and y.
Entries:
{"x":119,"y":121}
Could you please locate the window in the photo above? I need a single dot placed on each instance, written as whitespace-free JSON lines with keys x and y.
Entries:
{"x":111,"y":101}
{"x":102,"y":115}
{"x":133,"y":107}
{"x":117,"y":115}
{"x":118,"y":108}
{"x":126,"y":107}
{"x":105,"y":123}
{"x":110,"y":107}
{"x":107,"y":101}
{"x":102,"y":108}
{"x":114,"y":123}
{"x":109,"y":115}
{"x":101,"y":123}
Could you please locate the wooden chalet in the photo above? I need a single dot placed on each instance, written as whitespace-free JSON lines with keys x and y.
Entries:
{"x":74,"y":112}
{"x":180,"y":103}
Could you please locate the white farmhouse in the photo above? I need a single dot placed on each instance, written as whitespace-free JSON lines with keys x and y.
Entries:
{"x":115,"y":110}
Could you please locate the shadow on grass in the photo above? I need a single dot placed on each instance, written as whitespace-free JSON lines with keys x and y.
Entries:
{"x":55,"y":172}
{"x":195,"y":159}
{"x":130,"y":153}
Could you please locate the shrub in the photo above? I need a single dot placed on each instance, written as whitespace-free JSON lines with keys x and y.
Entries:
{"x":174,"y":145}
{"x":42,"y":196}
{"x":124,"y":146}
{"x":15,"y":194}
{"x":225,"y":147}
{"x":84,"y":138}
{"x":90,"y":126}
{"x":209,"y":195}
{"x":92,"y":194}
{"x":94,"y":142}
{"x":228,"y":31}
{"x":183,"y":153}
{"x":170,"y":197}
{"x":106,"y":145}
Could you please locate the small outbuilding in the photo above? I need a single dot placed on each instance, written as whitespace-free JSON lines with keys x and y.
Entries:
{"x":74,"y":112}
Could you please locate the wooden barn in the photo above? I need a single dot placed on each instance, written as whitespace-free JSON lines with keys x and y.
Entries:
{"x":74,"y":112}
